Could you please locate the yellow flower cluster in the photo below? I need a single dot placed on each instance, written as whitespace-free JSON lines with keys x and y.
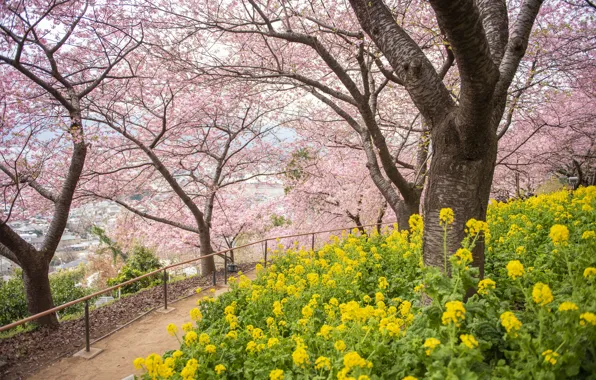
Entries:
{"x":464,"y":255}
{"x":156,"y":366}
{"x":511,"y":323}
{"x":190,"y":338}
{"x":220,"y":368}
{"x":172,"y":329}
{"x":276,"y":374}
{"x":590,"y":273}
{"x":515,"y":269}
{"x":550,"y":356}
{"x":352,"y":360}
{"x":542,"y":294}
{"x":559,"y":234}
{"x":568,"y":306}
{"x":430,"y":345}
{"x":484,"y":286}
{"x":195,"y":314}
{"x":474,"y":227}
{"x":587,"y":318}
{"x":446,"y":216}
{"x":455,"y":313}
{"x":469,"y":340}
{"x":340,"y":345}
{"x":190,"y":369}
{"x":300,"y":356}
{"x":323,"y":363}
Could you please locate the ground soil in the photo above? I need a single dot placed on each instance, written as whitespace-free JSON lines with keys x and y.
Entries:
{"x":39,"y":352}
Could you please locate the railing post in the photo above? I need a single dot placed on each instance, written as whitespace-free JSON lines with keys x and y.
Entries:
{"x":225,"y":268}
{"x":87,"y":345}
{"x":265,"y":264}
{"x":165,"y":289}
{"x":214,"y":281}
{"x":313,"y":242}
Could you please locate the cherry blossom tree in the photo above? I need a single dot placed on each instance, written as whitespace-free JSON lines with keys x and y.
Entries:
{"x":54,"y":55}
{"x":175,"y":148}
{"x":339,"y":54}
{"x":322,"y":53}
{"x":327,"y":184}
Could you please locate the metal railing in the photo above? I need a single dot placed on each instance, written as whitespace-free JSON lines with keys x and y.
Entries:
{"x":165,"y":277}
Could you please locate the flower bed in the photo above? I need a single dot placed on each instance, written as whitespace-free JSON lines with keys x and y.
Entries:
{"x":364,"y":307}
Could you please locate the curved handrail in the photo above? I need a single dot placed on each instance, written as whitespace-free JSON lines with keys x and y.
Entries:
{"x":88,"y":297}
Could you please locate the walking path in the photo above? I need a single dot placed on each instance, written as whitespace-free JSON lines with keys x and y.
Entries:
{"x":141,"y":338}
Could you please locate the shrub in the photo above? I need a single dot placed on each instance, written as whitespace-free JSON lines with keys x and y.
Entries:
{"x":141,"y":260}
{"x":365,"y":307}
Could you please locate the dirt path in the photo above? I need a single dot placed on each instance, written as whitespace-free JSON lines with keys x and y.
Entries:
{"x":141,"y":338}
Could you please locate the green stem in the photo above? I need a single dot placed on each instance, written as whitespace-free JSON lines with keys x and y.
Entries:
{"x":445,"y":247}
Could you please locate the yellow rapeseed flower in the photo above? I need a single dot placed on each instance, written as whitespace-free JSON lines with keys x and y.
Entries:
{"x":210,"y":349}
{"x":559,"y":234}
{"x":177,"y":354}
{"x":276,"y":374}
{"x":589,"y":235}
{"x":195,"y":314}
{"x":590,"y":272}
{"x":172,"y":329}
{"x":190,"y":337}
{"x":340,"y":345}
{"x":469,"y":340}
{"x":515,"y":269}
{"x":139,"y":362}
{"x":219,"y":369}
{"x":430,"y":344}
{"x":542,"y":294}
{"x":587,"y":318}
{"x":189,"y":370}
{"x":550,"y":356}
{"x":455,"y":313}
{"x":323,"y":362}
{"x":383,"y":284}
{"x":353,"y":359}
{"x":410,"y":378}
{"x":485,"y":285}
{"x":464,"y":255}
{"x":204,"y":339}
{"x":325,"y":331}
{"x":300,"y":356}
{"x":186,"y":327}
{"x":446,"y":216}
{"x":568,"y":306}
{"x":510,"y":322}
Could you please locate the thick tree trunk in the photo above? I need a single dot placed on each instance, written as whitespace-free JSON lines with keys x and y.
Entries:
{"x":38,"y":292}
{"x":207,"y":264}
{"x":462,"y":184}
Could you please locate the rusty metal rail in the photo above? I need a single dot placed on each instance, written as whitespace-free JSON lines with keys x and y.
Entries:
{"x":165,"y":277}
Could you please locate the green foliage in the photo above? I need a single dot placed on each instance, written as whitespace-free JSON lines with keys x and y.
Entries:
{"x":142,"y":260}
{"x":108,"y":244}
{"x":13,"y":302}
{"x":280,"y":220}
{"x":367,"y":308}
